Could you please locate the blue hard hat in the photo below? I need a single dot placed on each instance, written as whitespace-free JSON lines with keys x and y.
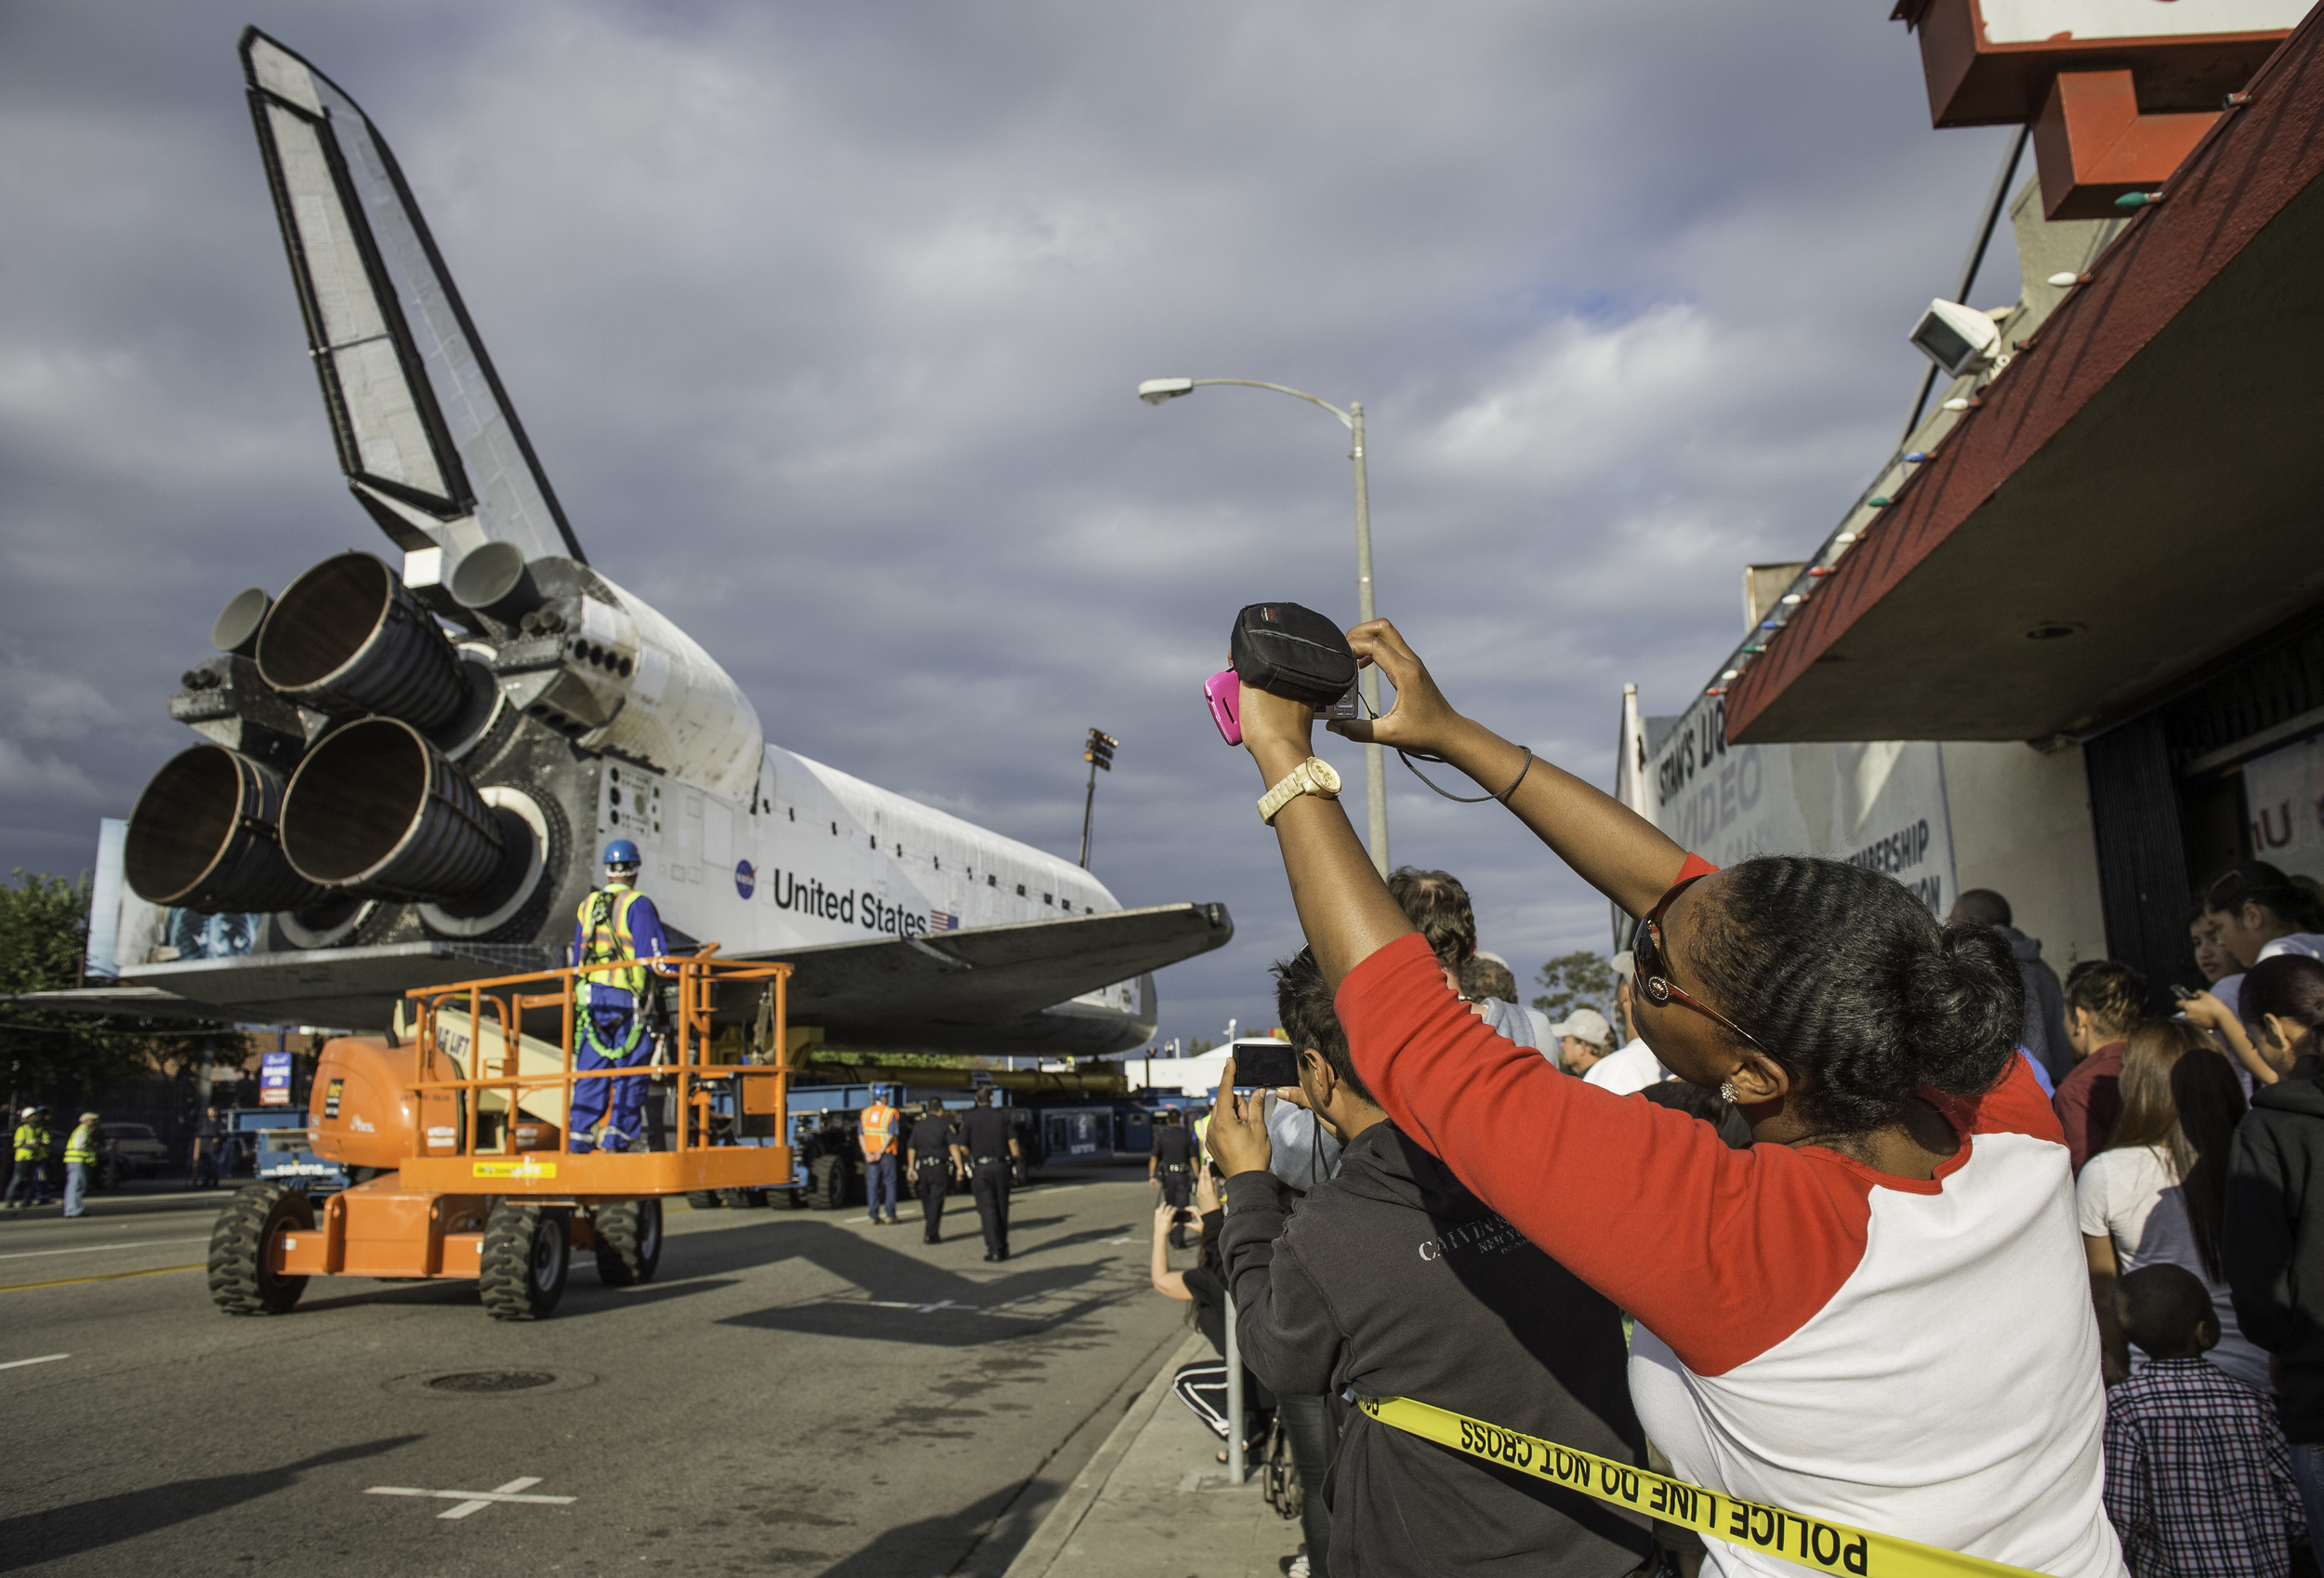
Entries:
{"x":621,"y":852}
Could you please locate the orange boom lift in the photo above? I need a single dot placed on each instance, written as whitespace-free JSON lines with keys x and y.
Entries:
{"x":458,"y":1139}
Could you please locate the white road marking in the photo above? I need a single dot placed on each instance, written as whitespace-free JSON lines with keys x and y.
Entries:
{"x":44,"y":1358}
{"x":472,"y":1501}
{"x":99,"y":1248}
{"x":923,"y":1309}
{"x":1117,"y":1240}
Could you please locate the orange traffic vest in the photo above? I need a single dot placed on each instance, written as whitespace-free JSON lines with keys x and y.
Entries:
{"x":878,"y":1129}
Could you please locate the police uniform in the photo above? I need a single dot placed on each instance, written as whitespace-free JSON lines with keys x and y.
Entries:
{"x":931,"y":1143}
{"x":32,"y":1157}
{"x":616,"y":922}
{"x":986,"y":1133}
{"x":1176,"y":1153}
{"x":876,"y":1129}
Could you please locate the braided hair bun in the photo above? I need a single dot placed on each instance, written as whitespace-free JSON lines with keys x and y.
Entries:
{"x":1854,"y":987}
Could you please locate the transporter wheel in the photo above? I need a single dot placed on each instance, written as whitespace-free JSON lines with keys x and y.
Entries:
{"x":703,"y":1199}
{"x":743,"y":1200}
{"x":827,"y":1183}
{"x":629,"y":1242}
{"x":241,"y":1247}
{"x":526,"y":1256}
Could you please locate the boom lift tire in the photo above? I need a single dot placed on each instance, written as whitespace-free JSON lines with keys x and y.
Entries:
{"x":703,"y":1199}
{"x":523,"y":1262}
{"x":742,"y":1199}
{"x":240,"y":1246}
{"x":629,"y":1242}
{"x":827,"y":1183}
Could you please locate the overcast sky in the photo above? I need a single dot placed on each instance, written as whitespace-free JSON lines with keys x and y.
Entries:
{"x":826,"y":320}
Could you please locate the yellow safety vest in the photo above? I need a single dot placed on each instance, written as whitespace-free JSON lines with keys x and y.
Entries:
{"x":878,"y":1129}
{"x":605,"y":921}
{"x":82,"y":1147}
{"x":1202,"y":1133}
{"x":31,"y":1144}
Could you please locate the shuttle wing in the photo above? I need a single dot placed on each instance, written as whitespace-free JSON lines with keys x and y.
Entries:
{"x":994,"y":986}
{"x":426,"y":434}
{"x":339,"y":988}
{"x":991,"y":988}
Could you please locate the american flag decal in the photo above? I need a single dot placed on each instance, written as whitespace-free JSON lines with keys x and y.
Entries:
{"x":940,"y":921}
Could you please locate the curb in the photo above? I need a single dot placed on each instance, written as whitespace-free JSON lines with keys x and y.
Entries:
{"x":1038,"y":1557}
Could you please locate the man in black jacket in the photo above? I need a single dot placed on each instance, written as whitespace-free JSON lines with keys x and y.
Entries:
{"x":1393,"y":1280}
{"x":2272,"y":1251}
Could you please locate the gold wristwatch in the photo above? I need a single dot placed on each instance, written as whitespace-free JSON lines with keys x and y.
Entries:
{"x":1314,"y":776}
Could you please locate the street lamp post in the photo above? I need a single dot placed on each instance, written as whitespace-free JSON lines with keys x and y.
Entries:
{"x":1153,"y":391}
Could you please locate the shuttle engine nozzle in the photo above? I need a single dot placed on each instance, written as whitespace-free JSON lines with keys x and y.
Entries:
{"x":204,"y":837}
{"x":378,"y":811}
{"x":349,"y":638}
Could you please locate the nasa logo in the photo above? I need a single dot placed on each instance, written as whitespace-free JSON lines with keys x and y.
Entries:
{"x":745,"y":878}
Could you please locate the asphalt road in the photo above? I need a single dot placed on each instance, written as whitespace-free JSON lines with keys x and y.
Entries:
{"x":795,"y":1393}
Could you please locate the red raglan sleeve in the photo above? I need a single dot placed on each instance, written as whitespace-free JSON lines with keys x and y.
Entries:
{"x":1720,"y":1253}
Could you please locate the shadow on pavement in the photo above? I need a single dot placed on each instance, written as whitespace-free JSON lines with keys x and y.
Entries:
{"x":881,"y":1271}
{"x":452,"y":1292}
{"x":1087,"y":1236}
{"x":92,"y":1525}
{"x":933,"y":1324}
{"x":966,"y":1542}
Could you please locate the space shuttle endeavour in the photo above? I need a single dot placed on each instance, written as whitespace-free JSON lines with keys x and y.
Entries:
{"x":409,"y":763}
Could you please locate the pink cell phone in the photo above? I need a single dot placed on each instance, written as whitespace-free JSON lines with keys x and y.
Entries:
{"x":1223,"y":690}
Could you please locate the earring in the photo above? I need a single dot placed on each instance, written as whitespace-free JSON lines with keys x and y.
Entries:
{"x":1726,"y":1089}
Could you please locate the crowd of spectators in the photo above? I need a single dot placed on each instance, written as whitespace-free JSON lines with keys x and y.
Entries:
{"x":1795,"y":1220}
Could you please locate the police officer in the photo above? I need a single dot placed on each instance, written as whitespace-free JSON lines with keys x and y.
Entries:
{"x":31,"y":1158}
{"x":616,"y":925}
{"x":987,"y":1142}
{"x":876,"y":1129}
{"x":1176,"y":1154}
{"x":928,"y":1153}
{"x":202,"y":1165}
{"x":80,"y":1155}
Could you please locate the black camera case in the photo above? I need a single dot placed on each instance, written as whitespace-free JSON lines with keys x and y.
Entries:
{"x":1293,"y":652}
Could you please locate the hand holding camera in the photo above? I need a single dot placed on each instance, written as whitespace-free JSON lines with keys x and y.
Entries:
{"x":1288,"y":663}
{"x":1420,"y":720}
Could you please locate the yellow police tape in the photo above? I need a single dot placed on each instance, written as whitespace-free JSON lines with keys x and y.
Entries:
{"x":1829,"y":1547}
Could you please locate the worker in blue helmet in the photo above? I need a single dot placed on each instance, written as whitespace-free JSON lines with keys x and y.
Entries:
{"x":617,"y":925}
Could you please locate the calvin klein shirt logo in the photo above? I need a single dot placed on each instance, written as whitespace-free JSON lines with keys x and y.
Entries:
{"x":1490,"y":1236}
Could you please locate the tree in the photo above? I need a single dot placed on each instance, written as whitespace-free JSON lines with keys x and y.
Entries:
{"x":1576,"y":980}
{"x":64,"y":1057}
{"x":1199,"y":1046}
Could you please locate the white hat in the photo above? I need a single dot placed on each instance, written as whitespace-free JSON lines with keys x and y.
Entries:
{"x":1584,"y":1024}
{"x":1625,"y":967}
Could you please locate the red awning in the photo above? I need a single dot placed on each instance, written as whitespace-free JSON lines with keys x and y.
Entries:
{"x":2141,"y":490}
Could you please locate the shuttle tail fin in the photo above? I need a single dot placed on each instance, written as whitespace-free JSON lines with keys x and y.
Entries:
{"x":426,"y":434}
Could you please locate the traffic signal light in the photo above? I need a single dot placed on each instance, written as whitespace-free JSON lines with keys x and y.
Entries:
{"x":1100,"y":752}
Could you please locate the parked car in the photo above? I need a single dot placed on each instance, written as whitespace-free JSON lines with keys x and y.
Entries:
{"x":137,"y":1152}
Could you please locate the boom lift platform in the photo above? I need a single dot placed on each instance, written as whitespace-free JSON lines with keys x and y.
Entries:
{"x":460,"y":1137}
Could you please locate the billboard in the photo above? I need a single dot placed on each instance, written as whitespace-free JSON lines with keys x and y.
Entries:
{"x":1877,"y":804}
{"x":2284,"y":791}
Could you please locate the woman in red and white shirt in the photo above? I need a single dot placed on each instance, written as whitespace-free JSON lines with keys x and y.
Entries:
{"x":1877,"y":1314}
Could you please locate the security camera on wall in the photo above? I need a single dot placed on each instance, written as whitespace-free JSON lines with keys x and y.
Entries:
{"x":1957,"y":339}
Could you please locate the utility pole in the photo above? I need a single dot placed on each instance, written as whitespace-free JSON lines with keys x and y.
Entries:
{"x":1153,"y":391}
{"x":1098,"y":752}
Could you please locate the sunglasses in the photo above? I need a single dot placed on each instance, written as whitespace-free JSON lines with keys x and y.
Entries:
{"x":1653,"y":970}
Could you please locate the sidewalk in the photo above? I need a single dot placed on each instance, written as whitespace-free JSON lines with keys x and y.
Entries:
{"x":1153,"y":1502}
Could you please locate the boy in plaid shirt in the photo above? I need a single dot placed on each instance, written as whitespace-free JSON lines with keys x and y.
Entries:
{"x":2198,"y":1478}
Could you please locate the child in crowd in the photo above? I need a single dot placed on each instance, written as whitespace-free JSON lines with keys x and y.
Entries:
{"x":2198,"y":1478}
